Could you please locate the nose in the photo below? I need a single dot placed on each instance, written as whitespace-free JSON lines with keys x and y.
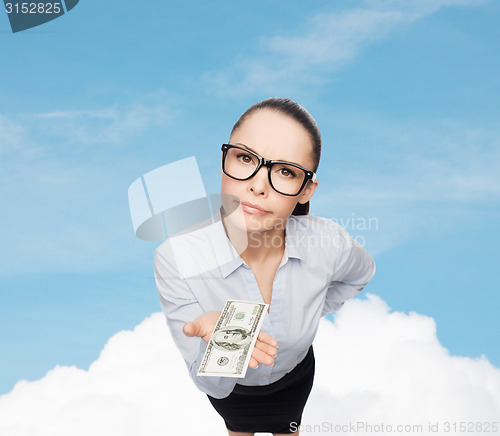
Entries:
{"x":259,"y":183}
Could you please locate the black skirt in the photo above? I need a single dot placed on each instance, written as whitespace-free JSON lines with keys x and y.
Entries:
{"x":274,"y":408}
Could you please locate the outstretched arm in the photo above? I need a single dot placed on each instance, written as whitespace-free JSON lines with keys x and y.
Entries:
{"x":184,"y":314}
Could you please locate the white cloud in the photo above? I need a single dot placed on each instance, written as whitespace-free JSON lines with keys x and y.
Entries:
{"x":418,"y":8}
{"x":373,"y":366}
{"x":62,"y":215}
{"x":14,"y":140}
{"x":64,"y":202}
{"x":108,"y":125}
{"x":380,"y":366}
{"x":435,"y":160}
{"x":424,"y":161}
{"x":429,"y":175}
{"x":329,"y":41}
{"x":106,"y":113}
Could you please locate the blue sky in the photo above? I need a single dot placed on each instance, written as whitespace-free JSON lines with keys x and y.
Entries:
{"x":405,"y":94}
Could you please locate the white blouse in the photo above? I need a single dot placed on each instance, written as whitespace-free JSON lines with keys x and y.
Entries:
{"x":199,"y":271}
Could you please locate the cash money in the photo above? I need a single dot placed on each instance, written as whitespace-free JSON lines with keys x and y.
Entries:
{"x":230,"y":347}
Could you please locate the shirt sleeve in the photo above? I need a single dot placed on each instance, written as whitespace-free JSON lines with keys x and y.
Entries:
{"x":352,"y":270}
{"x":179,"y":305}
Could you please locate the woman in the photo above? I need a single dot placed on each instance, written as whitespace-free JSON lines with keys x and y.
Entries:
{"x":265,"y":247}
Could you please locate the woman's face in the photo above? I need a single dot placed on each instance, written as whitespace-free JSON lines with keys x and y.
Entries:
{"x":277,"y":137}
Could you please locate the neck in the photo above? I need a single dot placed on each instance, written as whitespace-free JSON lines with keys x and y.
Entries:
{"x":255,"y":247}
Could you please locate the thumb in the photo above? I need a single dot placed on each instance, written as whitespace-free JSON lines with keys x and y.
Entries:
{"x":191,"y":329}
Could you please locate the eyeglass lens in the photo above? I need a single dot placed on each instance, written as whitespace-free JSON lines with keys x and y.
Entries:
{"x":286,"y":179}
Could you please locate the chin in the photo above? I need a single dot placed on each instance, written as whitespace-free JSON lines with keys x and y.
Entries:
{"x":250,"y":223}
{"x":262,"y":225}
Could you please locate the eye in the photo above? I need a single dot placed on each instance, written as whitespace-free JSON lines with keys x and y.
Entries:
{"x":287,"y":172}
{"x":245,"y":158}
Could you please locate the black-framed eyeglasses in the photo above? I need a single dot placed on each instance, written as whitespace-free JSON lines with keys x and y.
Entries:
{"x":286,"y":178}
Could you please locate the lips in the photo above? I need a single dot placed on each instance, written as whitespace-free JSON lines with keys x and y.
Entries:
{"x":254,"y":209}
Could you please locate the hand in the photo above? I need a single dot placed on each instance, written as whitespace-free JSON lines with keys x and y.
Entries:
{"x":265,"y":349}
{"x":203,"y":326}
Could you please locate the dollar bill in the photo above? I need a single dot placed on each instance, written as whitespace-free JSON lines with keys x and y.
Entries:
{"x":230,"y":347}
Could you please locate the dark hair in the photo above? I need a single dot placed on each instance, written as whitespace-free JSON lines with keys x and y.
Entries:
{"x":295,"y":111}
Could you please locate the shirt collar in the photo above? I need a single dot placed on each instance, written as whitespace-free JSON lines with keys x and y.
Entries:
{"x":228,"y":258}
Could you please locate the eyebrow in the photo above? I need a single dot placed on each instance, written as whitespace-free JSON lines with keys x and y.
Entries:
{"x":282,"y":160}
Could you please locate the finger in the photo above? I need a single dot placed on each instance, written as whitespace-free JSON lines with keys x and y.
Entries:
{"x":268,"y":339}
{"x":262,"y":357}
{"x":272,"y":351}
{"x":252,"y":363}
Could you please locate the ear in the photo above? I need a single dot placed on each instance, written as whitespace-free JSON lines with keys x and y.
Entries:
{"x":308,"y":191}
